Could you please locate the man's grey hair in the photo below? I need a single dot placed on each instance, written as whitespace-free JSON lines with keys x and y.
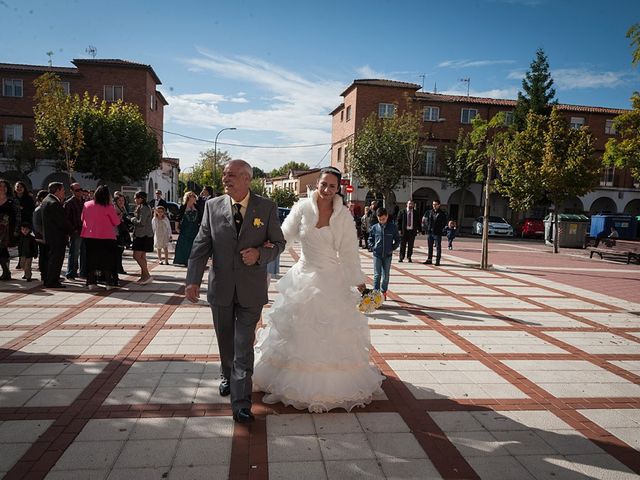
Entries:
{"x":55,"y":187}
{"x":245,"y":166}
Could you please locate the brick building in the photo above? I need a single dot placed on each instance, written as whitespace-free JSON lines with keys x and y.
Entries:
{"x":442,"y":118}
{"x":107,"y":79}
{"x":298,"y":181}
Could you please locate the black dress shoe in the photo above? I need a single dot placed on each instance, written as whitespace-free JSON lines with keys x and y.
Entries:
{"x":427,"y":262}
{"x":244,"y":415}
{"x":56,"y":285}
{"x":400,"y":260}
{"x":224,"y":388}
{"x":437,"y":264}
{"x":410,"y":261}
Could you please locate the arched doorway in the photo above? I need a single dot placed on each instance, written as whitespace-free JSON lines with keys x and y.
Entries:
{"x":633,"y":207}
{"x":572,"y":205}
{"x":423,"y":198}
{"x":453,"y":205}
{"x":603,"y":204}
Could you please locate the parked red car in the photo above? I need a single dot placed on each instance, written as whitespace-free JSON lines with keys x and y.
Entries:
{"x":530,"y":227}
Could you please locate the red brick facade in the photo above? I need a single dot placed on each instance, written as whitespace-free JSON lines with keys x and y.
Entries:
{"x":138,"y":84}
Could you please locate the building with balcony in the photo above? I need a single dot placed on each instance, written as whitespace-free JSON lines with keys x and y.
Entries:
{"x":442,"y":118}
{"x":108,"y":79}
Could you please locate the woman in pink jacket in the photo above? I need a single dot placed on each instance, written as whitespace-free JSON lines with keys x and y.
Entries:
{"x":99,"y":222}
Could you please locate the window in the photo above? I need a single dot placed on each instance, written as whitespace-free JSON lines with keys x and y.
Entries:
{"x":508,"y":118}
{"x":577,"y":122}
{"x":152,"y":101}
{"x":609,"y":129}
{"x":113,"y":93}
{"x":66,"y":87}
{"x":431,"y":114}
{"x":468,"y":114}
{"x":339,"y":154}
{"x":12,"y":87}
{"x":608,"y":176}
{"x":13,"y":133}
{"x":341,"y":115}
{"x":348,"y":113}
{"x":430,"y":158}
{"x":386,"y":110}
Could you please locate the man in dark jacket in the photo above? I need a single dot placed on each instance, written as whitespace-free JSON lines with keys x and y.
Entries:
{"x":408,"y":226}
{"x":73,"y":209}
{"x":433,"y":224}
{"x":158,"y":201}
{"x":56,"y":229}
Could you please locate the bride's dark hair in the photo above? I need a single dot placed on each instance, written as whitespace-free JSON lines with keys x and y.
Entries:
{"x":337,"y":173}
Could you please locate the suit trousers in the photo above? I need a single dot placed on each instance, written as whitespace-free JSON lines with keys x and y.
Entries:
{"x":54,"y":264}
{"x":235,"y":327}
{"x":406,"y":244}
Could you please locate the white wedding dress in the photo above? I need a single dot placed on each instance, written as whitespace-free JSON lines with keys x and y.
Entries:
{"x":313,"y":352}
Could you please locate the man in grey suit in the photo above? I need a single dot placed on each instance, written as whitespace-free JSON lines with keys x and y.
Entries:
{"x":241,"y":233}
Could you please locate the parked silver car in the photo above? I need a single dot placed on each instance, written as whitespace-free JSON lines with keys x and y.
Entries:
{"x":497,"y":226}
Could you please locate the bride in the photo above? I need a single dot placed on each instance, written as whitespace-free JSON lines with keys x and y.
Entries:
{"x":313,"y":352}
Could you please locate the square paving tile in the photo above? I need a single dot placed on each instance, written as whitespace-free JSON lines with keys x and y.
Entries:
{"x":439,"y":379}
{"x":632,"y":366}
{"x":401,"y":288}
{"x":412,"y":341}
{"x":53,"y":298}
{"x":191,"y":316}
{"x":168,"y":382}
{"x":613,"y":319}
{"x":183,"y":342}
{"x":393,"y":316}
{"x":622,"y":423}
{"x":504,"y":302}
{"x":471,"y":290}
{"x":79,"y":342}
{"x":438,"y":301}
{"x":466,"y":318}
{"x":44,"y":385}
{"x":7,"y":336}
{"x":16,"y":437}
{"x":565,"y":303}
{"x":113,"y":316}
{"x":598,"y":342}
{"x":574,"y":378}
{"x":538,"y":318}
{"x":508,"y":341}
{"x":136,"y":298}
{"x":527,"y":291}
{"x":27,"y":316}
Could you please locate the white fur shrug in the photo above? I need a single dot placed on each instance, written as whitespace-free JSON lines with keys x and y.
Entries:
{"x":304,"y":215}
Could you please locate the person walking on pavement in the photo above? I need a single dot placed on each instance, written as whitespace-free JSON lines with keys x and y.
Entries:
{"x":240,"y":232}
{"x":158,"y":201}
{"x":56,"y":229}
{"x":73,"y":209}
{"x":433,"y":224}
{"x":408,"y":226}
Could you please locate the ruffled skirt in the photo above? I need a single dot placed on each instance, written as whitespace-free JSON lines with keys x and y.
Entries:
{"x":313,"y":352}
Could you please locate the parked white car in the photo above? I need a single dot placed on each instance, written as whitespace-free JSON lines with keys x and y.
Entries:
{"x":498,"y":226}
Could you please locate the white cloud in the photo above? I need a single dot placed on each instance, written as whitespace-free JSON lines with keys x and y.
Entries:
{"x":498,"y":93}
{"x":572,"y":78}
{"x":291,"y":109}
{"x":472,"y":63}
{"x":367,"y":72}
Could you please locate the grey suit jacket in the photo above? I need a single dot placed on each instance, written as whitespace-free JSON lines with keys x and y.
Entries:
{"x":218,"y":239}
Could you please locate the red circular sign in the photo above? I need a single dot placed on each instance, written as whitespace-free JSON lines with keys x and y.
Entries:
{"x":349,"y":189}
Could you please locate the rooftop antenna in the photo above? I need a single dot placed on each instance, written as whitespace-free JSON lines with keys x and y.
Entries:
{"x":422,"y":77}
{"x":435,"y":87}
{"x":91,"y":50}
{"x":466,"y":80}
{"x":50,"y":55}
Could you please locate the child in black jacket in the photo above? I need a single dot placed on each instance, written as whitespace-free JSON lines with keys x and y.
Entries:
{"x":28,"y":249}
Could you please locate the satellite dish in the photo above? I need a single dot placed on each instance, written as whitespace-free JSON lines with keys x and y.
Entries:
{"x":91,"y":50}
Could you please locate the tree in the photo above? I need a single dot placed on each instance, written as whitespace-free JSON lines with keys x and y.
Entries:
{"x":202,"y":173}
{"x":569,"y":167}
{"x":519,"y":164}
{"x":486,"y":141}
{"x":459,"y":169}
{"x":634,"y":34}
{"x":258,"y":173}
{"x":56,"y":123}
{"x":538,"y":89}
{"x":412,"y":140}
{"x":378,"y":155}
{"x":284,"y":169}
{"x":257,"y":186}
{"x":111,"y":142}
{"x":624,"y":151}
{"x":284,"y":197}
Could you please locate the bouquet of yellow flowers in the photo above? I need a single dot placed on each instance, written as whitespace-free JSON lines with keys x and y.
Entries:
{"x":371,"y":300}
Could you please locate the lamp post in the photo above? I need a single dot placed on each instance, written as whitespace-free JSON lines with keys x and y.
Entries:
{"x":215,"y":151}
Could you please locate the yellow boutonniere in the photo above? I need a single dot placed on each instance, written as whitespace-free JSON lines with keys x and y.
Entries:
{"x":257,"y":223}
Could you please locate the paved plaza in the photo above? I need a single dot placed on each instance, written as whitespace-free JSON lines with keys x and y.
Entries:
{"x":528,"y":371}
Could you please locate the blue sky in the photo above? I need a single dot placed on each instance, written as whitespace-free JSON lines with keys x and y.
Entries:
{"x":275,"y":69}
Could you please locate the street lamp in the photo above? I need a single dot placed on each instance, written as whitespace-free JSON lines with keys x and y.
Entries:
{"x":215,"y":151}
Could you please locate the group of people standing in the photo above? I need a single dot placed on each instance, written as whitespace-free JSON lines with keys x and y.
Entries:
{"x":94,"y":226}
